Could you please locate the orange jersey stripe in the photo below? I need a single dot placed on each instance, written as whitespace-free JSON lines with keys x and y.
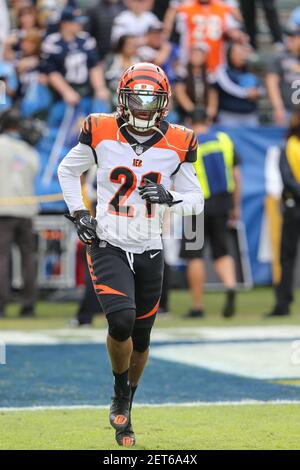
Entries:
{"x":103,"y":289}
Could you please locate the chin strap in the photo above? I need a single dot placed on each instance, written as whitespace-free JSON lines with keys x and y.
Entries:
{"x":157,"y":129}
{"x":118,"y":131}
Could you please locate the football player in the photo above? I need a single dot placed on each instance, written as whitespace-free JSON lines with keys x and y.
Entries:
{"x":145,"y":166}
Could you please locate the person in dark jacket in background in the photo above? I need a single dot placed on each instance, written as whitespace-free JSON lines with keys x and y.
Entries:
{"x":238,"y":89}
{"x":19,"y":164}
{"x":101,"y":18}
{"x":290,"y":173}
{"x":217,"y":168}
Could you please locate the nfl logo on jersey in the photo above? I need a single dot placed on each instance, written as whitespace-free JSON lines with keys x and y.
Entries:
{"x":139,"y":149}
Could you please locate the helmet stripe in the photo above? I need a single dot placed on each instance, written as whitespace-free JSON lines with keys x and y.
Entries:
{"x":144,"y":77}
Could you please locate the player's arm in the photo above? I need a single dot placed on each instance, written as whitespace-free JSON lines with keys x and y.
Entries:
{"x":76,"y":162}
{"x":187,"y":197}
{"x":187,"y":191}
{"x":187,"y":194}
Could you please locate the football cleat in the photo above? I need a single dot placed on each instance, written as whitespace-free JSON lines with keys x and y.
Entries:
{"x":119,"y":414}
{"x":126,"y":438}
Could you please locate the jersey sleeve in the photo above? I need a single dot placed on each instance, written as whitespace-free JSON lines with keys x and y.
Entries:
{"x":86,"y":135}
{"x":75,"y":163}
{"x":191,"y":154}
{"x":187,"y":194}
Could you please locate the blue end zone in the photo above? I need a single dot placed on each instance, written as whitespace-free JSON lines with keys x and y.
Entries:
{"x":80,"y":375}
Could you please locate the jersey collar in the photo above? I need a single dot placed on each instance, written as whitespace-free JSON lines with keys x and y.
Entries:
{"x":140,"y":147}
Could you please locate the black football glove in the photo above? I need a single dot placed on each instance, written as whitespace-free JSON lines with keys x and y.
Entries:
{"x":156,"y":193}
{"x":85,"y":225}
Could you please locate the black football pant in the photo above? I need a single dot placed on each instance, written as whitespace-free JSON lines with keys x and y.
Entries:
{"x":125,"y":281}
{"x":17,"y":230}
{"x":288,"y":255}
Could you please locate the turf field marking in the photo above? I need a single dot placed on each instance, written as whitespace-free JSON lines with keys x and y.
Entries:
{"x":274,"y":358}
{"x":89,"y":335}
{"x":151,"y":405}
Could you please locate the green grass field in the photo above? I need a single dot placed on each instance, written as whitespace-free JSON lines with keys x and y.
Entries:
{"x":251,"y":306}
{"x":264,"y":426}
{"x":220,"y":427}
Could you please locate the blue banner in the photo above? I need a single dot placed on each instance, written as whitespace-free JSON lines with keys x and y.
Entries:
{"x":252,"y":146}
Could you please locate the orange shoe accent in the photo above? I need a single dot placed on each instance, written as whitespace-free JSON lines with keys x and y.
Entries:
{"x":152,"y":312}
{"x":103,"y":289}
{"x":120,"y":419}
{"x":127,"y":441}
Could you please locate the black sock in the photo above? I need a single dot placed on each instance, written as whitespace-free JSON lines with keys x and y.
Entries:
{"x":231,"y":294}
{"x":122,"y":385}
{"x":133,"y":390}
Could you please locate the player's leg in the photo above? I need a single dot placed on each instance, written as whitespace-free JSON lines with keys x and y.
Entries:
{"x":288,"y":256}
{"x":223,"y":262}
{"x":139,"y":357}
{"x":148,"y":282}
{"x":195,"y":270}
{"x":114,"y":285}
{"x":196,"y":277}
{"x":7,"y":228}
{"x":26,"y":241}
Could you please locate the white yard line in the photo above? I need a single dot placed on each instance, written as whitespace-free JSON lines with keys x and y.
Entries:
{"x":148,"y":405}
{"x":73,"y":336}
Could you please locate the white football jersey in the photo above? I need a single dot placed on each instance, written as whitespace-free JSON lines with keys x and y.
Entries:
{"x":123,"y":165}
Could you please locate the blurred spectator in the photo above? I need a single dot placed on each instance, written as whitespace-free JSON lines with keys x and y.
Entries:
{"x":28,"y":60}
{"x":9,"y":84}
{"x":160,"y":8}
{"x":290,"y":173}
{"x":101,"y":18}
{"x":71,"y":62}
{"x":207,"y":21}
{"x":218,"y":173}
{"x":238,"y":89}
{"x":192,"y":87}
{"x":235,"y":10}
{"x":282,"y":75}
{"x":49,"y":13}
{"x":26,"y":20}
{"x":4,"y":25}
{"x":116,"y":63}
{"x":294,"y":17}
{"x":135,"y":21}
{"x":18,"y":168}
{"x":248,"y":8}
{"x":158,"y":50}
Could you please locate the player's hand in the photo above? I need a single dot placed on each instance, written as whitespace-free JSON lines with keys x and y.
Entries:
{"x":155,"y":193}
{"x":85,"y":225}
